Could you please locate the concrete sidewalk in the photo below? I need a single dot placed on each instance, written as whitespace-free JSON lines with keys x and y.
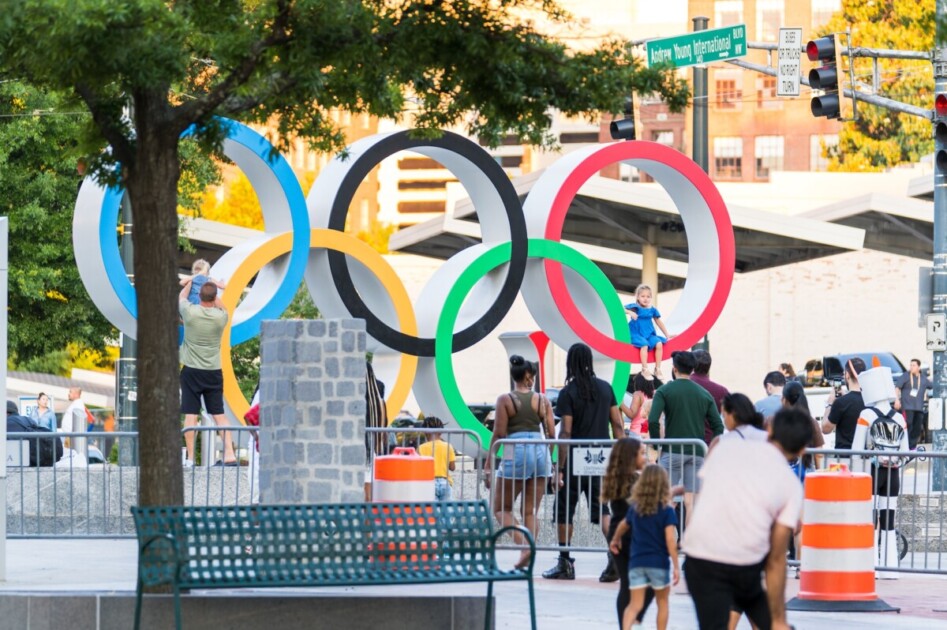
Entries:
{"x":109,"y":566}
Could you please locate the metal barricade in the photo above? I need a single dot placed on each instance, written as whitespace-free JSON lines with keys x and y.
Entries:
{"x":468,"y":449}
{"x":546,"y":517}
{"x":905,"y":498}
{"x":216,"y":484}
{"x":84,"y":494}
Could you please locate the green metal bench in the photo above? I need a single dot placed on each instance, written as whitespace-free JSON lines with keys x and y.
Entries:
{"x":333,"y":544}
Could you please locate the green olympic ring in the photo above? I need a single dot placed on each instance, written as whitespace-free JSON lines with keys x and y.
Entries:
{"x":480,"y":267}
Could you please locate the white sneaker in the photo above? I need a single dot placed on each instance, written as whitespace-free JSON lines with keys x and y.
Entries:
{"x":188,"y":463}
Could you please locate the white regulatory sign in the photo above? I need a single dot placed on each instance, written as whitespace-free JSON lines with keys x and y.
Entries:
{"x":937,"y":331}
{"x":787,"y":61}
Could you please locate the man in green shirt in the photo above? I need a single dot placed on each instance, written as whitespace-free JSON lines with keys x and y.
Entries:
{"x":686,"y":406}
{"x":201,"y":375}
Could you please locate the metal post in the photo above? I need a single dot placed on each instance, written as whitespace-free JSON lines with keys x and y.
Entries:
{"x":126,"y":372}
{"x":4,"y":242}
{"x":939,"y":301}
{"x":700,"y":141}
{"x":700,"y":104}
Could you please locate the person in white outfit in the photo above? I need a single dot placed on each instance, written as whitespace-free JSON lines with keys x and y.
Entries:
{"x":883,"y":430}
{"x":74,"y":420}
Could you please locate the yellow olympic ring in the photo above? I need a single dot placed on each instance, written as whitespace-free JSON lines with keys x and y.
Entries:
{"x":324,"y":239}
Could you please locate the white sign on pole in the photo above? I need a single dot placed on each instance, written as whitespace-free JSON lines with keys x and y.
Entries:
{"x":937,"y":331}
{"x":787,"y":62}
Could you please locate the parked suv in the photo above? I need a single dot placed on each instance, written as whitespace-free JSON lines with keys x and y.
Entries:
{"x":833,"y":366}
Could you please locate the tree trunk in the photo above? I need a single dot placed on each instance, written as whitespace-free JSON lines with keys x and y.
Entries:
{"x":152,"y":184}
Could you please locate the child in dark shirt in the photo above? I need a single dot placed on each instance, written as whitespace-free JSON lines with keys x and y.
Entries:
{"x":653,"y":544}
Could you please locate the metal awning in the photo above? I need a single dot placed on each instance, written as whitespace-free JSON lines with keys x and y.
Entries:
{"x":610,"y":220}
{"x":897,"y":225}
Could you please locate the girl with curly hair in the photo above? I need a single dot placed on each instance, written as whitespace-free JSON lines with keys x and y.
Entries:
{"x":653,"y":527}
{"x":628,"y":457}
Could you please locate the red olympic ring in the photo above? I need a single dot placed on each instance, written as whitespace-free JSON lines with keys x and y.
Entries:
{"x":644,"y":153}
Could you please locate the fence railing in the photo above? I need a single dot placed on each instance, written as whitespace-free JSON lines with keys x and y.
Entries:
{"x":465,"y":479}
{"x":909,"y":500}
{"x":89,"y":490}
{"x":518,"y":495}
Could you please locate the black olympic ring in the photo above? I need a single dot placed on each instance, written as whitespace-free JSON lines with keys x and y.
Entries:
{"x":358,"y":170}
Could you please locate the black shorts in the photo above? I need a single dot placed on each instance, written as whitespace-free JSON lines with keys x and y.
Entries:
{"x":568,"y":497}
{"x":206,"y":384}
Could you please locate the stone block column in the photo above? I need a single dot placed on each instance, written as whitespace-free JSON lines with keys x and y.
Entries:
{"x":312,"y":411}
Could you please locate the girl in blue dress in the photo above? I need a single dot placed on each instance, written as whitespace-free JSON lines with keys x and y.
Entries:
{"x":641,"y":325}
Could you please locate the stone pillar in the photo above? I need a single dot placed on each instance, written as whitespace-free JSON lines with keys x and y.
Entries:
{"x":312,"y":411}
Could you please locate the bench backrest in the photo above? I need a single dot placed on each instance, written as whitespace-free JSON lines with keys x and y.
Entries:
{"x":324,"y":543}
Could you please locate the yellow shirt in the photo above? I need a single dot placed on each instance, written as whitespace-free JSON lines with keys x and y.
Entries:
{"x":443,"y":454}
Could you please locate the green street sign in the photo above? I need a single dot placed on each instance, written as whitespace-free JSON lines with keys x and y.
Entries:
{"x":698,"y":47}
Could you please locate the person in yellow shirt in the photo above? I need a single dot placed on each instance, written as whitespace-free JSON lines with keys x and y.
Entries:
{"x":444,"y":458}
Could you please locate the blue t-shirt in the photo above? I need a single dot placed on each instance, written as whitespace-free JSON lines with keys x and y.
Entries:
{"x":198,"y":281}
{"x":644,"y":325}
{"x":648,"y":543}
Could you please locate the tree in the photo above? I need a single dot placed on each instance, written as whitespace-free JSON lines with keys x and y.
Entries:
{"x":880,"y":138}
{"x":181,"y":63}
{"x":48,"y":306}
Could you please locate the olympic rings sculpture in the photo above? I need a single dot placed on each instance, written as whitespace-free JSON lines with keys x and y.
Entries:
{"x":467,"y":297}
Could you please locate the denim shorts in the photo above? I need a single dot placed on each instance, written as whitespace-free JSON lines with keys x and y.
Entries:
{"x":528,"y":461}
{"x":643,"y":577}
{"x":442,"y":489}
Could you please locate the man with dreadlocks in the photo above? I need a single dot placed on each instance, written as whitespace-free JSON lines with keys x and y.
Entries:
{"x":587,"y":406}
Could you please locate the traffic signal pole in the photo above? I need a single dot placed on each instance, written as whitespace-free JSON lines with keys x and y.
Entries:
{"x":939,"y":371}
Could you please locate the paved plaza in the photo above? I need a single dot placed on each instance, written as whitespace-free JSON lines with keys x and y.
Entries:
{"x":108,"y":566}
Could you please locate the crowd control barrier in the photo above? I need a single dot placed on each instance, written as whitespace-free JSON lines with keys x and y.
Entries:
{"x":589,"y":460}
{"x":838,"y":544}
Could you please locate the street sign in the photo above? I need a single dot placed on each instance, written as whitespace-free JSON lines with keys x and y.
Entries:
{"x":698,"y":47}
{"x":787,"y":64}
{"x":937,"y":331}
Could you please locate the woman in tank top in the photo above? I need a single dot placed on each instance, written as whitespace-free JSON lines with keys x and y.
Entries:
{"x":523,"y":469}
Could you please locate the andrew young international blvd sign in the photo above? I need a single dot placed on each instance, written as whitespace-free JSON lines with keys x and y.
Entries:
{"x":698,"y":47}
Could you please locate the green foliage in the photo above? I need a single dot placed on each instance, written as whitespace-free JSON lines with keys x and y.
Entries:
{"x":48,"y":306}
{"x":880,"y":138}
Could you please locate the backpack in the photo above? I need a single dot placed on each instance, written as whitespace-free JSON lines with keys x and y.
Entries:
{"x":45,"y":449}
{"x":885,"y":434}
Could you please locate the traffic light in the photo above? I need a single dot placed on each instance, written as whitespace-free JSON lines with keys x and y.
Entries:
{"x":829,"y":77}
{"x":940,"y":139}
{"x":624,"y":128}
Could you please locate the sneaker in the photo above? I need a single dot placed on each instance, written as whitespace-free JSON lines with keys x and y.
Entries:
{"x":564,"y":570}
{"x":188,"y":463}
{"x":610,"y":574}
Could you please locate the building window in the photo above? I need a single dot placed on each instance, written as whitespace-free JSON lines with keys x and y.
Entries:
{"x":418,"y":163}
{"x":818,"y":146}
{"x":663,"y":137}
{"x":728,"y":158}
{"x":412,"y":207}
{"x":769,"y":155}
{"x":510,"y":161}
{"x":823,"y":10}
{"x":578,"y":137}
{"x":729,"y":89}
{"x":769,"y":17}
{"x":728,"y":13}
{"x":766,"y":93}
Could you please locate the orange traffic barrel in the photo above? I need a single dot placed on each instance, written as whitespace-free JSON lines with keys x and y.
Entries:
{"x":837,"y":572}
{"x":403,"y":476}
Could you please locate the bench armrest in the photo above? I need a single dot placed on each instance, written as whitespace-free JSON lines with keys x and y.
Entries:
{"x":529,"y":539}
{"x":169,"y":538}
